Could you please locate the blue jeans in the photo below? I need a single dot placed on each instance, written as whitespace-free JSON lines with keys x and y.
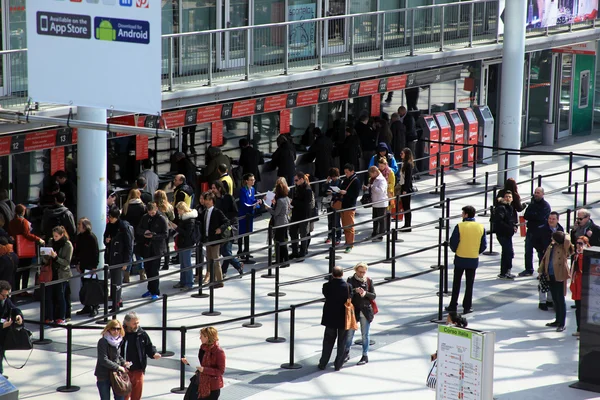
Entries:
{"x":104,"y":390}
{"x":364,"y":331}
{"x":227,"y":251}
{"x":186,"y":278}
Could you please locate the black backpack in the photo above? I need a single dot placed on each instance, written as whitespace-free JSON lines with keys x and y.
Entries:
{"x":197,"y":231}
{"x":130,"y":235}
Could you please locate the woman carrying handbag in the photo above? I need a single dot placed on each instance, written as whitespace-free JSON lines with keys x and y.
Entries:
{"x":110,"y":362}
{"x":208,"y":380}
{"x":60,"y":262}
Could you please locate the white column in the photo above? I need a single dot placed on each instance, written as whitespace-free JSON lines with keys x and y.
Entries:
{"x":91,"y":172}
{"x":511,"y":100}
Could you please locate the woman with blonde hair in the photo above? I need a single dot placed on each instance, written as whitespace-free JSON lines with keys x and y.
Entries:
{"x":212,"y":366}
{"x":185,"y":239}
{"x":163,"y":205}
{"x":134,"y":209}
{"x":363,"y":298}
{"x":279,"y":210}
{"x":109,"y":358}
{"x":406,"y":186}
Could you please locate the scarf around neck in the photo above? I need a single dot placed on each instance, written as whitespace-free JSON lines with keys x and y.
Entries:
{"x":363,"y":280}
{"x":113,"y":341}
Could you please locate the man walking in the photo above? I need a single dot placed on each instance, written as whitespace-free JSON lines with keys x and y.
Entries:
{"x":467,"y":242}
{"x":152,"y":232}
{"x":336,"y":292}
{"x":536,"y":215}
{"x":136,"y":348}
{"x":505,"y":224}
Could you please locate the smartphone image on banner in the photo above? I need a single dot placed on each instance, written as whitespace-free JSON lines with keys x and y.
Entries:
{"x":584,"y":88}
{"x":44,"y":23}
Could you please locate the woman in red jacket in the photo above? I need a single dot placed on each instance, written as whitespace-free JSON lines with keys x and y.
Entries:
{"x":212,"y":365}
{"x":20,"y":226}
{"x":576,"y":275}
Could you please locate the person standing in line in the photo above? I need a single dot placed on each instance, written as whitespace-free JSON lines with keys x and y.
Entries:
{"x":248,"y":203}
{"x":279,"y":210}
{"x":149,"y":175}
{"x":109,"y":358}
{"x":283,"y":159}
{"x":349,"y":150}
{"x":406,"y":186}
{"x":142,"y":186}
{"x":541,"y":241}
{"x":302,"y":196}
{"x":321,"y":152}
{"x":511,"y":186}
{"x":250,"y":159}
{"x":152,"y":231}
{"x":349,"y":189}
{"x":58,"y":215}
{"x":119,"y":249}
{"x":333,"y":219}
{"x":536,"y":215}
{"x":336,"y":292}
{"x":21,"y":226}
{"x":378,"y":189}
{"x":410,"y":128}
{"x":367,"y":138}
{"x":212,"y":365}
{"x":577,"y":278}
{"x":136,"y":348}
{"x":214,"y":228}
{"x":467,"y":242}
{"x":60,"y":260}
{"x":87,"y":255}
{"x":225,"y":178}
{"x":398,"y":136}
{"x":555,"y":267}
{"x":226,"y":203}
{"x":185,"y":239}
{"x":584,"y":226}
{"x":390,"y":177}
{"x":505,"y":225}
{"x":163,"y":205}
{"x":363,"y":294}
{"x":10,"y":314}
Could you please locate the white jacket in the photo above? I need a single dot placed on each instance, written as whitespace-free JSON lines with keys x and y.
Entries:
{"x":379,"y":192}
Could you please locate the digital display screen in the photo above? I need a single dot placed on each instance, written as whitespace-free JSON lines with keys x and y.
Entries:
{"x":456,"y":118}
{"x":470,"y":116}
{"x":442,"y":120}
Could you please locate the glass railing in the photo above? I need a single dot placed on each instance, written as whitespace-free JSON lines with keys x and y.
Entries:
{"x":220,"y":56}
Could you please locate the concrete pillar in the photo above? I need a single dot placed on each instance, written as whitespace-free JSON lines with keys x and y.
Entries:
{"x":91,"y":173}
{"x":511,"y":100}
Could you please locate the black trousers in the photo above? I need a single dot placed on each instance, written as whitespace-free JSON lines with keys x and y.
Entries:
{"x":379,"y":225}
{"x":22,"y":276}
{"x":328,"y":341}
{"x":281,"y":237}
{"x":468,"y":298}
{"x":406,"y":206}
{"x":116,"y":280}
{"x":152,"y":268}
{"x":244,"y":245}
{"x":558,"y":295}
{"x":296,"y":232}
{"x":214,"y":395}
{"x":578,"y":313}
{"x":333,"y":220}
{"x":507,"y":255}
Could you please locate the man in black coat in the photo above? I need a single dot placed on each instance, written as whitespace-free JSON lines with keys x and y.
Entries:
{"x":505,"y":226}
{"x":398,"y":136}
{"x":57,"y":215}
{"x":349,"y":150}
{"x":536,"y":215}
{"x":321,"y":152}
{"x":119,"y":249}
{"x":10,"y":314}
{"x":336,"y":292}
{"x":585,"y":226}
{"x":250,"y":159}
{"x":215,"y":225}
{"x":136,"y":348}
{"x":284,"y":159}
{"x":367,"y":138}
{"x":151,"y":233}
{"x":411,"y":127}
{"x":68,"y":187}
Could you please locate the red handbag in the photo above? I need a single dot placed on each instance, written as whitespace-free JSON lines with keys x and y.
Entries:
{"x":373,"y":303}
{"x":25,"y":248}
{"x":46,"y":272}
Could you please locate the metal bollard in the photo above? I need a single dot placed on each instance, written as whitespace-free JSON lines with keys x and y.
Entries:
{"x":164,"y":352}
{"x":252,"y":323}
{"x":68,"y":388}
{"x":181,"y":389}
{"x":211,"y":301}
{"x":42,"y":340}
{"x":292,"y":364}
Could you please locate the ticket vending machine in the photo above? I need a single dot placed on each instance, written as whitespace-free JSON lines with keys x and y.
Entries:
{"x":431,"y":134}
{"x":446,"y":139}
{"x":471,"y":131}
{"x":485,"y":120}
{"x":458,"y":138}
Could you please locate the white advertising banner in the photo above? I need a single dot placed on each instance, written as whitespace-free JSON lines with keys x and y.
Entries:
{"x":95,"y":53}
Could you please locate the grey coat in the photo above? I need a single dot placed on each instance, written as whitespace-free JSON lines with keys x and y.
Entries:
{"x":109,"y":360}
{"x":280,"y":211}
{"x":62,"y":264}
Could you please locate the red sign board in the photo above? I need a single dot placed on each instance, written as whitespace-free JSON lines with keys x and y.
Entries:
{"x":5,"y":145}
{"x":57,"y":160}
{"x":40,"y":140}
{"x":174,"y":119}
{"x":216,"y":137}
{"x":396,"y":82}
{"x":243,"y":108}
{"x":339,"y":92}
{"x":458,"y":139}
{"x":284,"y":121}
{"x":307,"y":98}
{"x":275,"y":103}
{"x":368,"y":87}
{"x":74,"y":136}
{"x":141,"y":147}
{"x":375,"y":105}
{"x":209,"y":114}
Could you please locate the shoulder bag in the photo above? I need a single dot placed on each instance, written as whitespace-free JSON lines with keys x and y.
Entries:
{"x":350,"y":316}
{"x":337,"y":204}
{"x":373,"y":303}
{"x":46,"y":272}
{"x":17,"y":338}
{"x":120,"y":383}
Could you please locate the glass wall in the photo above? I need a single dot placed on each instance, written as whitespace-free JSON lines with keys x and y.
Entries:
{"x":540,"y":80}
{"x":265,"y":132}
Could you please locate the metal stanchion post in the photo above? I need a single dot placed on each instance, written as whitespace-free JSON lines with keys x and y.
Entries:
{"x":437,"y":173}
{"x":104,"y":320}
{"x":252,"y":323}
{"x":42,"y":340}
{"x":439,"y":256}
{"x":388,"y":237}
{"x":332,"y":256}
{"x":269,"y":273}
{"x":276,"y":293}
{"x":68,"y":388}
{"x":393,"y":256}
{"x":506,"y":154}
{"x":570,"y":181}
{"x":532,"y":177}
{"x":181,"y":389}
{"x":199,"y":295}
{"x":292,"y":364}
{"x":276,"y":338}
{"x":585,"y":185}
{"x":491,"y":252}
{"x":398,"y":215}
{"x":569,"y":217}
{"x":539,"y":181}
{"x":485,"y":195}
{"x":474,"y":181}
{"x":575,"y":199}
{"x":211,"y":303}
{"x":164,"y":352}
{"x":446,"y":268}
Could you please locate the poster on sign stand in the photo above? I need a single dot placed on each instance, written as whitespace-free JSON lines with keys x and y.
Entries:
{"x":57,"y":160}
{"x":141,"y":147}
{"x":465,"y":367}
{"x":284,"y":121}
{"x":216,"y":134}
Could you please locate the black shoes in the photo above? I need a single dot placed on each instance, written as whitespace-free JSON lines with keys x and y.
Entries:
{"x":83,"y":311}
{"x":552,"y":324}
{"x":560,"y":329}
{"x":550,"y":304}
{"x":363,"y":360}
{"x":93,"y":311}
{"x":525,"y":273}
{"x":467,"y":311}
{"x":321,"y":367}
{"x":543,"y":306}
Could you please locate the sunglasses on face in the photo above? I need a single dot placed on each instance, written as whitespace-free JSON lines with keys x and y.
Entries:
{"x":115,"y":329}
{"x":580,"y":219}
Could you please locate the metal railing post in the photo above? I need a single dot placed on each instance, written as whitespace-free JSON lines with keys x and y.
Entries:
{"x":351,"y":40}
{"x":383,"y":36}
{"x":505,"y":166}
{"x":472,"y":15}
{"x":442,"y":25}
{"x":247,"y":65}
{"x":388,"y":238}
{"x":105,"y":284}
{"x":485,"y":195}
{"x":68,"y":388}
{"x":569,"y":216}
{"x":393,"y":255}
{"x":211,"y":290}
{"x":164,"y":352}
{"x":319,"y":45}
{"x":269,"y":273}
{"x":292,"y":364}
{"x":286,"y":51}
{"x":276,"y":338}
{"x":181,"y":389}
{"x":439,"y":255}
{"x":532,"y":177}
{"x":570,"y":181}
{"x":276,"y":293}
{"x":412,"y":32}
{"x":42,"y":340}
{"x":170,"y":63}
{"x":585,"y":185}
{"x":252,"y":323}
{"x":200,"y":262}
{"x":445,"y":268}
{"x":575,"y":199}
{"x":440,"y":293}
{"x":211,"y":60}
{"x":539,"y":181}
